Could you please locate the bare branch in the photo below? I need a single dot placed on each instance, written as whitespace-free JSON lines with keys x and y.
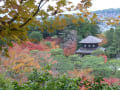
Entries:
{"x":21,"y":1}
{"x":16,"y":15}
{"x":38,"y":9}
{"x":13,"y":19}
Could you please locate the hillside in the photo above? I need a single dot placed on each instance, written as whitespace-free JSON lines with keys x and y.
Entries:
{"x":108,"y":12}
{"x":102,"y":14}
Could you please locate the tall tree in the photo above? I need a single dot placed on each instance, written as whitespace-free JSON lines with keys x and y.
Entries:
{"x":113,"y":45}
{"x":16,"y":15}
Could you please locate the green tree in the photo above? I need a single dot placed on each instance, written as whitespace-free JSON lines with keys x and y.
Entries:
{"x":113,"y":45}
{"x":114,"y":65}
{"x":109,"y":37}
{"x":96,"y":64}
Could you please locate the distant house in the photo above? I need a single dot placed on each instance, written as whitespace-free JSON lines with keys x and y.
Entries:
{"x":88,"y":45}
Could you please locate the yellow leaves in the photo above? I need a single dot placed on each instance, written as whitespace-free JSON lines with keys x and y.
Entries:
{"x":50,"y":8}
{"x":118,"y":16}
{"x":74,"y":21}
{"x":63,"y":22}
{"x":69,"y":2}
{"x":11,"y":13}
{"x":61,"y":3}
{"x":30,"y":4}
{"x":79,"y":6}
{"x":94,"y":16}
{"x":43,"y":13}
{"x":69,"y":9}
{"x":57,"y":23}
{"x":81,"y":19}
{"x":18,"y":67}
{"x":88,"y":4}
{"x":5,"y":18}
{"x":50,"y":30}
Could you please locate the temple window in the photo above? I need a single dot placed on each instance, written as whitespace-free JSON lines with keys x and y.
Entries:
{"x":93,"y":45}
{"x":85,"y":46}
{"x":89,"y":45}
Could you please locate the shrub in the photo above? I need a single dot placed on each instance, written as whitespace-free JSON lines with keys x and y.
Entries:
{"x":98,"y":52}
{"x":5,"y":84}
{"x":96,"y":64}
{"x":34,"y":51}
{"x":74,"y":58}
{"x":57,"y":51}
{"x":44,"y":81}
{"x":36,"y":36}
{"x":48,"y":44}
{"x":111,"y":52}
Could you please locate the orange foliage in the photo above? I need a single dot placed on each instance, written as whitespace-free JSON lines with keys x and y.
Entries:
{"x":18,"y":63}
{"x":104,"y":40}
{"x":70,"y":49}
{"x":84,"y":74}
{"x":19,"y":60}
{"x":41,"y":46}
{"x":45,"y":58}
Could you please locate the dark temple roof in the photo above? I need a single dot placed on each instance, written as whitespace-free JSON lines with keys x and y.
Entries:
{"x":91,"y":39}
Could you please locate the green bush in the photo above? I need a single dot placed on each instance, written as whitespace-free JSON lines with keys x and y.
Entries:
{"x":74,"y":58}
{"x":63,"y":64}
{"x":48,"y":44}
{"x":114,"y":65}
{"x":98,"y":52}
{"x":36,"y":35}
{"x":111,"y":52}
{"x":57,"y":51}
{"x":34,"y":51}
{"x":96,"y":64}
{"x":44,"y":81}
{"x":5,"y":84}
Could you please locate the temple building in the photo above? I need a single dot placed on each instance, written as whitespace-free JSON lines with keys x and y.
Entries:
{"x":88,"y":45}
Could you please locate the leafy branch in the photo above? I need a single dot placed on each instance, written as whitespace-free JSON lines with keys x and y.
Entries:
{"x":38,"y":9}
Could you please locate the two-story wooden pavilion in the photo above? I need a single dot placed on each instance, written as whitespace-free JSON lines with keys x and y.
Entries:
{"x":88,"y":45}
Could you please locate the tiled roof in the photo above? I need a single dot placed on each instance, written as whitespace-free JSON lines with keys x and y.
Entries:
{"x":91,"y":39}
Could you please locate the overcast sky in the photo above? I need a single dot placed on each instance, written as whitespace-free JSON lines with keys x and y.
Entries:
{"x":104,"y":4}
{"x":101,"y":4}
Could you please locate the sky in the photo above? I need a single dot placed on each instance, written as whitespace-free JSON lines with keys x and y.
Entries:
{"x":101,"y":4}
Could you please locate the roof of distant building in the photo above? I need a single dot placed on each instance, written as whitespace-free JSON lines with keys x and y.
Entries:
{"x":91,"y":39}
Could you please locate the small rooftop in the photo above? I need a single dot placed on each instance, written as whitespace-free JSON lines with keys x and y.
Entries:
{"x":91,"y":39}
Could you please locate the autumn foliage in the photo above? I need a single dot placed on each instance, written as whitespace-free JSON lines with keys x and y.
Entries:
{"x":70,"y":49}
{"x":22,"y":61}
{"x":104,"y":40}
{"x":111,"y":81}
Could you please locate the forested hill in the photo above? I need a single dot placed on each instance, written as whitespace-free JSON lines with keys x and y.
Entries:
{"x":108,"y":12}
